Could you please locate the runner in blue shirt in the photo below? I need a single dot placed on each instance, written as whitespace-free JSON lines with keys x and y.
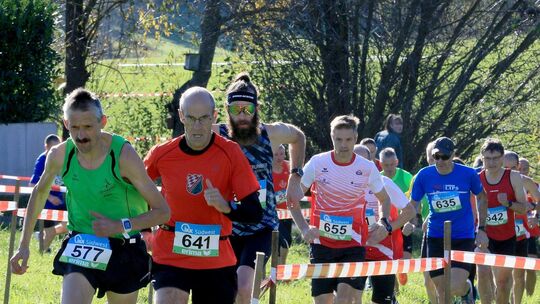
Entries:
{"x":448,"y":187}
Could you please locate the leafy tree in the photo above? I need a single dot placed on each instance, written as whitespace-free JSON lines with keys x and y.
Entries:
{"x":453,"y":68}
{"x":27,"y":59}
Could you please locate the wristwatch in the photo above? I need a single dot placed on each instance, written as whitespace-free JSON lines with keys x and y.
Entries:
{"x":126,"y":223}
{"x":297,"y":171}
{"x":387,"y":225}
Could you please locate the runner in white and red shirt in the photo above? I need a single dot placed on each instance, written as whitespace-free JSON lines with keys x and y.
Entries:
{"x":391,"y":248}
{"x":339,"y":181}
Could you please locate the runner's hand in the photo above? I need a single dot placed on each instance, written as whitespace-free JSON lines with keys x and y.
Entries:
{"x":408,"y":228}
{"x":104,"y":226}
{"x":377,"y":235}
{"x":503,"y":199}
{"x":311,"y":234}
{"x":22,"y":254}
{"x":481,"y":239}
{"x":214,"y":198}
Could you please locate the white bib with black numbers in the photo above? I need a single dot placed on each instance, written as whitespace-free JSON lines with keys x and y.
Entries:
{"x":336,"y":227}
{"x":196,"y":240}
{"x":88,"y":251}
{"x":497,"y":216}
{"x":446,"y":201}
{"x":520,"y":228}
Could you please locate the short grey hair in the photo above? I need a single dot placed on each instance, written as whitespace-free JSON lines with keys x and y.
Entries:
{"x":387,"y":153}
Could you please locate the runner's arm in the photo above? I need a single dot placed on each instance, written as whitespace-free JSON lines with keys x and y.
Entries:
{"x":283,"y":133}
{"x":531,"y":188}
{"x":53,"y":166}
{"x":40,"y":193}
{"x":405,"y":215}
{"x":295,"y":209}
{"x":482,"y":207}
{"x":132,"y":169}
{"x":521,"y":205}
{"x":249,"y":211}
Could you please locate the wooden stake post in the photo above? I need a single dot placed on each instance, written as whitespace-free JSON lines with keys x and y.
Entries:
{"x":259,"y":273}
{"x":13,"y":230}
{"x":448,"y":267}
{"x":273,"y":264}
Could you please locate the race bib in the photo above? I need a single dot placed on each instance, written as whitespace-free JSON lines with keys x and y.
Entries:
{"x":446,"y":202}
{"x":497,"y":216}
{"x":281,"y":196}
{"x":88,"y":251}
{"x":371,"y":217}
{"x":196,"y":240}
{"x":520,"y":228}
{"x":262,"y":193}
{"x":336,"y":227}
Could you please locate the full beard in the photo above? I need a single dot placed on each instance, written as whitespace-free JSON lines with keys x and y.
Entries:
{"x":245,"y":136}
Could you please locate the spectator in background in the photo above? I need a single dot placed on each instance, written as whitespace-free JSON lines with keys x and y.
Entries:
{"x":55,"y":200}
{"x":389,"y":137}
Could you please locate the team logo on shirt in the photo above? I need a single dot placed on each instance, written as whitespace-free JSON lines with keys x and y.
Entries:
{"x":324,"y":170}
{"x":358,"y":172}
{"x":194,"y":183}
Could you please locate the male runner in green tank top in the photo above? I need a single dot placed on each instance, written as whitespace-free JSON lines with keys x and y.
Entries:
{"x":108,"y":197}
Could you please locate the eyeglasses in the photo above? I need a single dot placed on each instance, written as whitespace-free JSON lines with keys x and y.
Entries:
{"x":439,"y":156}
{"x":202,"y":120}
{"x":491,"y":158}
{"x":248,"y":109}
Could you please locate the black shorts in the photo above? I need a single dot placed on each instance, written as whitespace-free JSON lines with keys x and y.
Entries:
{"x":533,"y":246}
{"x":522,"y":248}
{"x":48,"y":224}
{"x":322,"y":254}
{"x":407,"y":243}
{"x":383,"y":288}
{"x":435,"y":249}
{"x":128,"y":269}
{"x":205,"y":285}
{"x":285,"y":238}
{"x":506,"y":247}
{"x":246,"y":247}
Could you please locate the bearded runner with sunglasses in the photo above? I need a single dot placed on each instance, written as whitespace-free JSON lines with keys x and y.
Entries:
{"x":448,"y":187}
{"x":258,"y":141}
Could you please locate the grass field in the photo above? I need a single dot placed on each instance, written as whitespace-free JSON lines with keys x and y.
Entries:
{"x":38,"y":285}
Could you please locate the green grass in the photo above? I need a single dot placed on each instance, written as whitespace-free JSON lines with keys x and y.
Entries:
{"x":39,"y":285}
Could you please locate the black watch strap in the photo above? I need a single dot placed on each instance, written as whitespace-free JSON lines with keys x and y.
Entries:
{"x":387,"y":225}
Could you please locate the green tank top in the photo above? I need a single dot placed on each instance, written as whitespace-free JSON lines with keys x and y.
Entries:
{"x":102,"y":190}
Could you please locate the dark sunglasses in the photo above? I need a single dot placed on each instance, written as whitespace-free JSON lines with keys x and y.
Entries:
{"x":248,"y":109}
{"x":438,"y":156}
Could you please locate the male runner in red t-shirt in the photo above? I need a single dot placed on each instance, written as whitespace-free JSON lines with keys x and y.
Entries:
{"x":201,"y":173}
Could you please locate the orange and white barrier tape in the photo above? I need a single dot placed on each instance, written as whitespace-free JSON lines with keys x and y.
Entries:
{"x":47,"y":214}
{"x":359,"y":269}
{"x":8,"y":206}
{"x":11,"y":189}
{"x":116,"y":95}
{"x":488,"y":259}
{"x":286,"y":214}
{"x":27,"y":190}
{"x":12,"y":177}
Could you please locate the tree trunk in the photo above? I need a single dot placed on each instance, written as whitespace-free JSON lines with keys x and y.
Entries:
{"x":210,"y":31}
{"x":76,"y":49}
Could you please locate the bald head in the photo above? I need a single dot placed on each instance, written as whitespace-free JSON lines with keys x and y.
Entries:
{"x":524,"y":166}
{"x":196,"y":95}
{"x":511,"y":160}
{"x":362,"y":151}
